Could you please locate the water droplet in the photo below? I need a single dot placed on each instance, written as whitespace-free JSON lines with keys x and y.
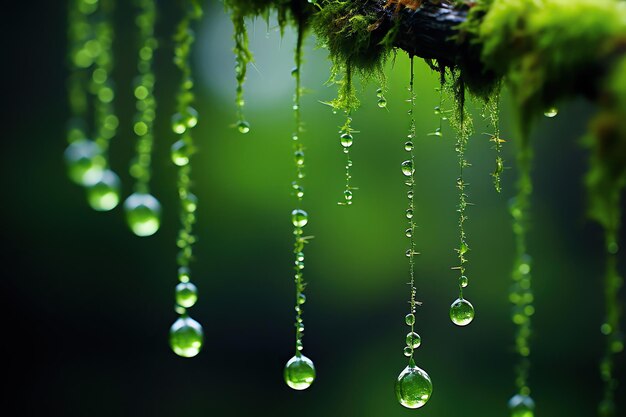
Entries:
{"x":409,"y":232}
{"x":178,"y":124}
{"x":409,"y":214}
{"x":346,"y":140}
{"x":347,"y":195}
{"x":299,"y":372}
{"x":413,"y":387}
{"x":521,"y":406}
{"x":463,"y":281}
{"x":379,"y":92}
{"x":407,"y":168}
{"x":298,"y":157}
{"x":190,"y":117}
{"x":461,"y":312}
{"x":190,"y":203}
{"x":186,"y":337}
{"x":295,"y":71}
{"x":301,"y":298}
{"x":186,"y":294}
{"x":84,"y":161}
{"x":408,"y":146}
{"x":408,"y":351}
{"x":437,"y":110}
{"x":243,"y":126}
{"x":183,"y":274}
{"x":180,"y":153}
{"x":413,"y":340}
{"x":104,"y":194}
{"x":382,"y":103}
{"x":143,"y":213}
{"x":299,"y":218}
{"x":409,"y":319}
{"x":551,"y":112}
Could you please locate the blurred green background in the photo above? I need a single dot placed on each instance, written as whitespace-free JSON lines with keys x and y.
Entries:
{"x":88,"y":305}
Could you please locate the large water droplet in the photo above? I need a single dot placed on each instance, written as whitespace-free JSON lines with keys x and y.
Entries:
{"x":346,"y":140}
{"x":521,"y":406}
{"x":461,"y":312}
{"x":299,"y":372}
{"x":243,"y":126}
{"x":299,"y":218}
{"x":407,"y":168}
{"x":413,"y":340}
{"x":143,"y":213}
{"x":180,"y":153}
{"x":409,"y":319}
{"x":413,"y":387}
{"x":85,"y":162}
{"x":186,"y":294}
{"x":104,"y":194}
{"x":551,"y":112}
{"x":186,"y":337}
{"x":382,"y":103}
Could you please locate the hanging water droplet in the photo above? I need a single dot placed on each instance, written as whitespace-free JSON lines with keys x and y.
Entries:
{"x":461,"y":312}
{"x":409,"y":194}
{"x":551,"y":112}
{"x":409,"y":319}
{"x":409,"y":214}
{"x":180,"y":153}
{"x":295,"y":71}
{"x":299,"y":218}
{"x":143,"y":213}
{"x":413,"y":340}
{"x":346,"y":140}
{"x":409,"y":232}
{"x":299,"y":372}
{"x":379,"y":92}
{"x":301,"y":298}
{"x":190,"y":203}
{"x":298,"y":157}
{"x":186,"y":337}
{"x":190,"y":117}
{"x":521,"y":406}
{"x":407,"y":168}
{"x":413,"y":387}
{"x":186,"y":294}
{"x":183,"y":274}
{"x":382,"y":103}
{"x":178,"y":124}
{"x":243,"y":126}
{"x":408,"y":351}
{"x":437,"y":110}
{"x":347,"y":195}
{"x":463,"y":281}
{"x":408,"y":146}
{"x":104,"y":194}
{"x":85,"y":161}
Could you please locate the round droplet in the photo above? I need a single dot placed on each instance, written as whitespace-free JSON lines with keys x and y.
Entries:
{"x":186,"y":337}
{"x":299,"y":218}
{"x":84,"y":161}
{"x":409,"y":319}
{"x":243,"y":126}
{"x":408,"y":351}
{"x":301,"y":298}
{"x":379,"y":92}
{"x":104,"y":194}
{"x":190,"y":203}
{"x":409,"y":214}
{"x":298,"y":157}
{"x":180,"y":153}
{"x":382,"y":103}
{"x":521,"y":406}
{"x":413,"y":340}
{"x":408,"y":146}
{"x":183,"y":274}
{"x":407,"y":168}
{"x":347,"y":195}
{"x":461,"y":312}
{"x":346,"y":140}
{"x":463,"y":281}
{"x":551,"y":112}
{"x":413,"y":387}
{"x":143,"y":213}
{"x":190,"y":117}
{"x":409,"y":232}
{"x":299,"y":372}
{"x":186,"y":294}
{"x":178,"y":124}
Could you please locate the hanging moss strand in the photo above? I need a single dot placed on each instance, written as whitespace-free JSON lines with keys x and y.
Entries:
{"x":144,"y":94}
{"x":346,"y":136}
{"x":299,"y":217}
{"x":614,"y":342}
{"x":492,"y":112}
{"x":521,"y":294}
{"x":242,"y":58}
{"x":460,"y":147}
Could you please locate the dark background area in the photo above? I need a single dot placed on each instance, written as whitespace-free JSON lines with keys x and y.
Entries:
{"x":88,"y":305}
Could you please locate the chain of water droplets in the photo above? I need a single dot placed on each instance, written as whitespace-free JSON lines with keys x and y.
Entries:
{"x":461,"y":185}
{"x":346,"y":139}
{"x":182,"y":122}
{"x":521,"y":295}
{"x":408,"y":170}
{"x":79,"y":33}
{"x":144,"y":94}
{"x":242,"y":58}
